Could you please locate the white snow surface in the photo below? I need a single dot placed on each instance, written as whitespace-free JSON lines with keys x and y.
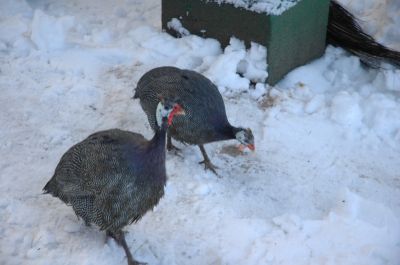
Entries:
{"x":176,"y":25}
{"x":323,"y":186}
{"x":270,"y":7}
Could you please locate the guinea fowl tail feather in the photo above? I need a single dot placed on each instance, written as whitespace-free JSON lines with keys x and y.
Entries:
{"x":47,"y":188}
{"x":344,"y":31}
{"x":136,"y":95}
{"x":52,"y":188}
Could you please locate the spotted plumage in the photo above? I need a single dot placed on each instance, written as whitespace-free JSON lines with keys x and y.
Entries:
{"x":113,"y":177}
{"x":106,"y":180}
{"x":205,"y":120}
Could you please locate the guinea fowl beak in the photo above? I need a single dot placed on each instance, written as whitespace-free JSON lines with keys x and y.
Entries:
{"x":251,"y":147}
{"x":178,"y":110}
{"x":241,"y":147}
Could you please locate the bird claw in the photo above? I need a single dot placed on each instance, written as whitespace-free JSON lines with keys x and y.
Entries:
{"x":119,"y":237}
{"x":171,"y":147}
{"x":210,"y":166}
{"x":177,"y":151}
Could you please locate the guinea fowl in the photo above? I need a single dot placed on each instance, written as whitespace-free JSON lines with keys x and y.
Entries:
{"x":113,"y":177}
{"x":205,"y":120}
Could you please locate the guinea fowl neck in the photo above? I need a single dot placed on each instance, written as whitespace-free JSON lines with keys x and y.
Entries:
{"x":153,"y":169}
{"x":157,"y":143}
{"x":229,"y":132}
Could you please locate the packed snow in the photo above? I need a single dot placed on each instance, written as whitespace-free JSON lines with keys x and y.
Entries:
{"x":270,"y":7}
{"x":323,"y":186}
{"x":176,"y":25}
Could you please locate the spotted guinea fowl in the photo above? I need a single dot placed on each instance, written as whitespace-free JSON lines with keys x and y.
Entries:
{"x":205,"y":120}
{"x":113,"y":177}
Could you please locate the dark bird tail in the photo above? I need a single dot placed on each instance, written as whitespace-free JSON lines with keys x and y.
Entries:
{"x":344,"y":31}
{"x":136,"y":95}
{"x":47,"y":188}
{"x":50,"y":188}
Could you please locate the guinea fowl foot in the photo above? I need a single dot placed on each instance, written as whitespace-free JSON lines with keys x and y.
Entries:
{"x":207,"y":163}
{"x":171,"y":147}
{"x":210,"y":166}
{"x":177,"y":151}
{"x":119,"y":237}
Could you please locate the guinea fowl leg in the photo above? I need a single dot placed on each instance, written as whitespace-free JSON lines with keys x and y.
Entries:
{"x":170,"y":146}
{"x":119,"y":237}
{"x":207,"y":163}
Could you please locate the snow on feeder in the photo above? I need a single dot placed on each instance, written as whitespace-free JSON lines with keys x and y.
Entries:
{"x":293,"y":31}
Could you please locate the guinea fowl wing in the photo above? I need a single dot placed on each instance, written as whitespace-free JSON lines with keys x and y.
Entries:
{"x":203,"y":96}
{"x":121,"y":203}
{"x":95,"y":177}
{"x":150,"y":89}
{"x":86,"y":166}
{"x":152,"y":75}
{"x":205,"y":118}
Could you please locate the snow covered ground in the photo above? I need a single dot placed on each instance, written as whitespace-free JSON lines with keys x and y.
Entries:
{"x":323,"y":186}
{"x":274,"y":7}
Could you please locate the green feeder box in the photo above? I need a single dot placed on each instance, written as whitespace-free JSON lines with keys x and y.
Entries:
{"x":292,"y":38}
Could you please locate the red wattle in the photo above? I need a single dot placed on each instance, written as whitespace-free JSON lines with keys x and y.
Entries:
{"x":171,"y":116}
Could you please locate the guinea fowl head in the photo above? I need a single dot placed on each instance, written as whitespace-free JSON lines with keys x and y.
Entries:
{"x":167,"y":110}
{"x":246,"y":139}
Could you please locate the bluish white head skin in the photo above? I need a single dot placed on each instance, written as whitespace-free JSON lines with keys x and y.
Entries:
{"x":167,"y":110}
{"x":246,"y":139}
